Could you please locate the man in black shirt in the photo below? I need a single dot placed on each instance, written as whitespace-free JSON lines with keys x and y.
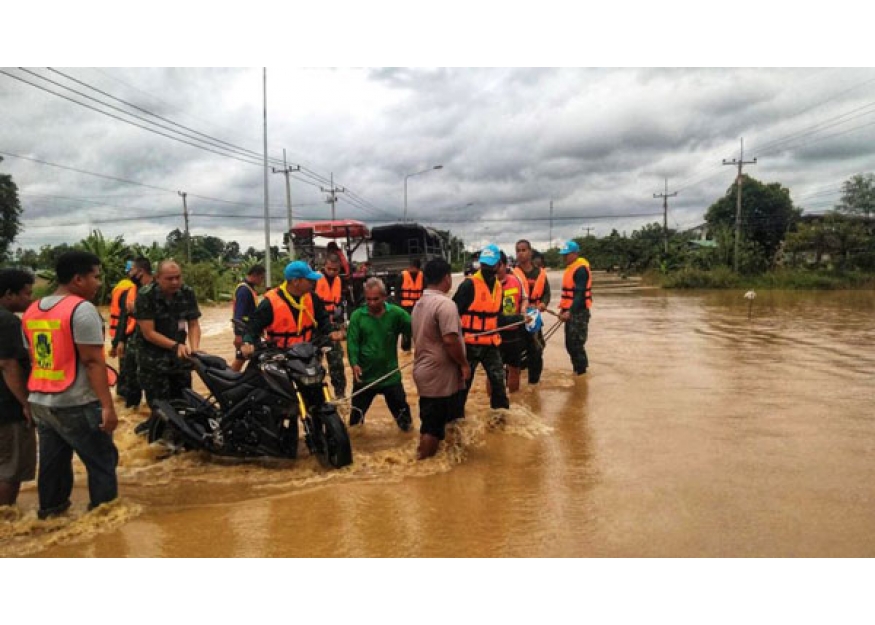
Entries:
{"x":17,"y":434}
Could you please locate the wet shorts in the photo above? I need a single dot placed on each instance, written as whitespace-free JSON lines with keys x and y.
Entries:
{"x":17,"y":452}
{"x":436,"y":412}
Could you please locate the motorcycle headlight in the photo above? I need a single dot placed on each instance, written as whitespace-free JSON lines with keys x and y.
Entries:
{"x":310,"y":380}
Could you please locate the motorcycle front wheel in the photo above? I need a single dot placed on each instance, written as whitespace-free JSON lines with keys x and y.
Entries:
{"x":333,"y":448}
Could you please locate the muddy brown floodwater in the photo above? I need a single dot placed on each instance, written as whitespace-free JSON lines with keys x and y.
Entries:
{"x":696,"y":432}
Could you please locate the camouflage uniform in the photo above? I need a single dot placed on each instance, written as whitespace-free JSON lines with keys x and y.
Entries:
{"x":576,"y":330}
{"x":128,"y":385}
{"x":336,"y":368}
{"x":162,"y":375}
{"x":490,"y":356}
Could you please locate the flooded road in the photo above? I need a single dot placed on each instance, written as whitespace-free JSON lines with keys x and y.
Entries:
{"x":696,"y":432}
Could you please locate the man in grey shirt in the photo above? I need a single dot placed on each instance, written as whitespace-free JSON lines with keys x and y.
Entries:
{"x":69,"y":391}
{"x":440,"y":366}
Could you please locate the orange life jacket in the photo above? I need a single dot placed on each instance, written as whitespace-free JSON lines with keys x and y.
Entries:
{"x":52,"y":350}
{"x":568,"y":285}
{"x":482,"y":314}
{"x":293,"y":322}
{"x":512,"y":293}
{"x":115,"y":310}
{"x":411,"y":288}
{"x":534,"y":287}
{"x":330,"y":294}
{"x":234,"y":299}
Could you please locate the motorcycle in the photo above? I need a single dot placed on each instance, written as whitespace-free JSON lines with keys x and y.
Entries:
{"x":255,"y":412}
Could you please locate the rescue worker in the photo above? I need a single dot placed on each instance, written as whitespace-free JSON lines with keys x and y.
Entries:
{"x":167,"y":316}
{"x":538,"y":288}
{"x":125,"y":290}
{"x":514,"y":301}
{"x":127,"y":341}
{"x":575,"y":304}
{"x":479,"y":300}
{"x":373,"y":355}
{"x":289,"y":314}
{"x":69,"y":397}
{"x":329,"y":290}
{"x":243,"y":304}
{"x":410,"y":288}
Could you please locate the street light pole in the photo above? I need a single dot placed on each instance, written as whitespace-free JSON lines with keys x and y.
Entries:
{"x":416,"y":173}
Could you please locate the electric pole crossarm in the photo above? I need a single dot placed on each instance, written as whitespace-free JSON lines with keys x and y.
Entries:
{"x":665,"y":197}
{"x":740,"y":162}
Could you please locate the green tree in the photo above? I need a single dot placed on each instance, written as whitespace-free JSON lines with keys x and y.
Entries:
{"x":767,"y":213}
{"x":10,"y":213}
{"x":858,"y":195}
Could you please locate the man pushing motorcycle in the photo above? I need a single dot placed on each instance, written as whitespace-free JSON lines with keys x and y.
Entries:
{"x":289,"y":314}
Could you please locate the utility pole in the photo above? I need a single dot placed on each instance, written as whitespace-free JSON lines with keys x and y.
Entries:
{"x":267,"y":280}
{"x":287,"y":170}
{"x":587,"y":228}
{"x":333,"y":191}
{"x":740,"y":162}
{"x":665,"y":197}
{"x":187,"y":235}
{"x":550,"y":243}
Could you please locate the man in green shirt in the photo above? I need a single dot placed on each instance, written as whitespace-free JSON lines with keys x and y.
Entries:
{"x":372,"y":346}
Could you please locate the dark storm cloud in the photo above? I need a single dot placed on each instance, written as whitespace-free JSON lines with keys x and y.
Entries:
{"x":596,"y":142}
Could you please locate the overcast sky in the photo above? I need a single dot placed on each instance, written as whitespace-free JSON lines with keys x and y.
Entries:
{"x":598,"y":143}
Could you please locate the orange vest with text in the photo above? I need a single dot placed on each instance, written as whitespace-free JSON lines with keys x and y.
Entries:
{"x":292,"y":322}
{"x":330,"y":294}
{"x":411,"y":288}
{"x":534,"y":287}
{"x":482,"y":314}
{"x":568,"y":285}
{"x":53,"y":355}
{"x":115,"y":311}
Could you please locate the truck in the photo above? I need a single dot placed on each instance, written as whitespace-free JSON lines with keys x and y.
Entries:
{"x":393,"y":246}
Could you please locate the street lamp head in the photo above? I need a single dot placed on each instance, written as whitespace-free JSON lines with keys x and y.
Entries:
{"x":438,"y":167}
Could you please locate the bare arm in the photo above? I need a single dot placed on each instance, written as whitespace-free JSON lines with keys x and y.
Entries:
{"x":92,"y":358}
{"x":15,"y":380}
{"x":456,"y":349}
{"x":194,"y":334}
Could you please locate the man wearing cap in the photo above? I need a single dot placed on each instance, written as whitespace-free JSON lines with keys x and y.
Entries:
{"x":479,"y":301}
{"x":125,"y":290}
{"x":167,"y":316}
{"x":126,"y":341}
{"x":289,"y":314}
{"x":575,"y":304}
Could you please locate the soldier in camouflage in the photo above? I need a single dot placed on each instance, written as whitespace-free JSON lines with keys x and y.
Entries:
{"x":125,"y":345}
{"x":167,"y":315}
{"x":575,"y":305}
{"x":329,"y":290}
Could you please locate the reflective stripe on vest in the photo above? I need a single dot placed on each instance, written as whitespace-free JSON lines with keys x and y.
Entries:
{"x":568,"y":284}
{"x":482,"y":314}
{"x":53,"y":355}
{"x":115,"y":309}
{"x":534,"y":287}
{"x":411,"y":288}
{"x":330,"y":295}
{"x":234,"y":299}
{"x":286,"y":329}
